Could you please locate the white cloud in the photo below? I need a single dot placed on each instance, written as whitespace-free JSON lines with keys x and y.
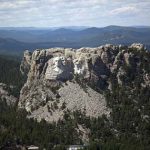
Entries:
{"x":123,"y":10}
{"x":73,"y":12}
{"x":15,"y":4}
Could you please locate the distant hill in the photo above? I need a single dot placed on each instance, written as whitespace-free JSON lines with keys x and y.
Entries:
{"x":18,"y":39}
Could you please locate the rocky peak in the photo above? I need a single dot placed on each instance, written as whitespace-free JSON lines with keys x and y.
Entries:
{"x":137,"y":46}
{"x":26,"y":62}
{"x":54,"y":74}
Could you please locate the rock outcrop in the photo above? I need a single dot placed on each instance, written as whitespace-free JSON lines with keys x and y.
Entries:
{"x":26,"y":62}
{"x":52,"y":87}
{"x":6,"y":96}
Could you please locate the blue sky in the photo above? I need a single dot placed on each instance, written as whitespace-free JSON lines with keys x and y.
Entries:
{"x":55,"y":13}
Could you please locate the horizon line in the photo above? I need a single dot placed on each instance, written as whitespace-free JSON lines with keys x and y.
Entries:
{"x":73,"y":26}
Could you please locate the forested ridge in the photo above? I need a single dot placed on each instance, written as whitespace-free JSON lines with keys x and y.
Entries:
{"x":127,"y":128}
{"x":10,"y":73}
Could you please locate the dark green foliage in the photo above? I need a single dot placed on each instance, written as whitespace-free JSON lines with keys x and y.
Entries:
{"x":81,"y":81}
{"x":10,"y":74}
{"x":63,"y":106}
{"x":127,"y":128}
{"x":15,"y":125}
{"x":130,"y":104}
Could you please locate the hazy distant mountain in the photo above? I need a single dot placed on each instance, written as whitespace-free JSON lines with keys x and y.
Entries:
{"x":141,"y":26}
{"x":76,"y":28}
{"x":18,"y":39}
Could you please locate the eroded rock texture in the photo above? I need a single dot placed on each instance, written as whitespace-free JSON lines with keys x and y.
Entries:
{"x":51,"y":88}
{"x":6,"y":96}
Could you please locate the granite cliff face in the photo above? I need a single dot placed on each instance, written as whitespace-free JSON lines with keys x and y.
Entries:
{"x":26,"y":62}
{"x":72,"y":79}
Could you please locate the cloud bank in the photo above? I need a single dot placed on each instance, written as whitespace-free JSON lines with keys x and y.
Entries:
{"x":50,"y":13}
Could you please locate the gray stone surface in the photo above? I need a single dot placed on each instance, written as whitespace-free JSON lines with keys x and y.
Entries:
{"x":51,"y":79}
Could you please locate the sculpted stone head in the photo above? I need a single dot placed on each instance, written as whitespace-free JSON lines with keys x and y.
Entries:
{"x":59,"y":68}
{"x":59,"y":63}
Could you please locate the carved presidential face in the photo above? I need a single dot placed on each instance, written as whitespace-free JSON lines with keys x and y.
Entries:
{"x":59,"y":61}
{"x":63,"y":60}
{"x":55,"y":61}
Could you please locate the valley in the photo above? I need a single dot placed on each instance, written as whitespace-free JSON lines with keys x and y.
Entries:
{"x":16,"y":40}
